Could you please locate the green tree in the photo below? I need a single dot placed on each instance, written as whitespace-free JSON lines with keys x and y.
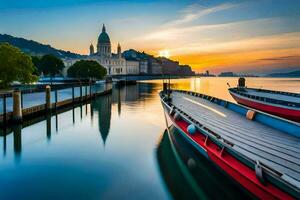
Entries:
{"x":50,"y":65}
{"x":37,"y":65}
{"x":15,"y":66}
{"x":87,"y":69}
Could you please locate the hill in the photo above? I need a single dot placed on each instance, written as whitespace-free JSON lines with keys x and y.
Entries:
{"x":35,"y":48}
{"x":288,"y":74}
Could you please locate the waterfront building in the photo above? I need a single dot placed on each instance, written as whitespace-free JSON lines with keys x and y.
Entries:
{"x":132,"y":66}
{"x":114,"y":63}
{"x":154,"y":66}
{"x":144,"y":69}
{"x":227,"y":74}
{"x":185,"y":70}
{"x":169,"y":66}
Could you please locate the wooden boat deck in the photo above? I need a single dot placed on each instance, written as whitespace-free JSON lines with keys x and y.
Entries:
{"x":257,"y":141}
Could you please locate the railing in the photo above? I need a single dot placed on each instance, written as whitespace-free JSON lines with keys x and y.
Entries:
{"x":269,"y":100}
{"x":36,"y":100}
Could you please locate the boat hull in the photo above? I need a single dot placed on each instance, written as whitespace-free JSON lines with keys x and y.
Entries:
{"x":238,"y":171}
{"x":286,"y":113}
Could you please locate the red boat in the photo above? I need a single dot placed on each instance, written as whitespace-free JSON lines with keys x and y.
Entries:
{"x":256,"y":150}
{"x":282,"y":104}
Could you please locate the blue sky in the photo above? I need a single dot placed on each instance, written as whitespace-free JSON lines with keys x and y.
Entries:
{"x":207,"y":34}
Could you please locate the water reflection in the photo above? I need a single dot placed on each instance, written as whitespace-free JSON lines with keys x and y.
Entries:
{"x":48,"y":124}
{"x":68,"y":146}
{"x":190,"y":176}
{"x":103,"y":107}
{"x":17,"y":131}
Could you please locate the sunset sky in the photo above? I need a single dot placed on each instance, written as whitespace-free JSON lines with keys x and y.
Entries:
{"x":248,"y":36}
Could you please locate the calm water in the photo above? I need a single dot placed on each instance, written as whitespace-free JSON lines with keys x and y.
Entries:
{"x":103,"y":150}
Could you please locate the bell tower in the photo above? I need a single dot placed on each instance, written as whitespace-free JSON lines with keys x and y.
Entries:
{"x":119,"y":51}
{"x":92,"y":51}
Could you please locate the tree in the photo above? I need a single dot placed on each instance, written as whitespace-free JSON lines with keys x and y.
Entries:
{"x":15,"y":66}
{"x":37,"y":65}
{"x":87,"y":69}
{"x":50,"y":65}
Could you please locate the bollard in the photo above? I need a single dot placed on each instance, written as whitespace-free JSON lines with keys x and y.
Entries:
{"x":90,"y":90}
{"x":80,"y":92}
{"x":4,"y":109}
{"x":17,"y":110}
{"x":55,"y":99}
{"x":165,"y":87}
{"x":22,"y":101}
{"x":73,"y":94}
{"x":86,"y":97}
{"x":48,"y":97}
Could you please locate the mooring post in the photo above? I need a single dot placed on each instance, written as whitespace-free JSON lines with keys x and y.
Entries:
{"x":90,"y":90}
{"x":86,"y":98}
{"x":4,"y":109}
{"x":22,"y":100}
{"x":17,"y":110}
{"x":48,"y":97}
{"x":55,"y":98}
{"x":73,"y":94}
{"x":90,"y":82}
{"x":80,"y":92}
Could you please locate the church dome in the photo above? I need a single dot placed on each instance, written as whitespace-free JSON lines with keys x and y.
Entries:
{"x":103,"y":37}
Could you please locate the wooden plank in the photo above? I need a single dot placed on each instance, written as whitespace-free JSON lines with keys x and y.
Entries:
{"x":251,"y":135}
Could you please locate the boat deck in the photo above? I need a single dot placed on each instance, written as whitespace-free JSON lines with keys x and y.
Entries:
{"x":271,"y":147}
{"x":276,"y":96}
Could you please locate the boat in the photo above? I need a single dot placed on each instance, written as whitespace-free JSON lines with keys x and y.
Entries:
{"x":258,"y":151}
{"x":279,"y":103}
{"x":182,"y":167}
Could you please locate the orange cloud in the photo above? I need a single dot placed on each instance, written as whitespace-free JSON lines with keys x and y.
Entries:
{"x":258,"y":61}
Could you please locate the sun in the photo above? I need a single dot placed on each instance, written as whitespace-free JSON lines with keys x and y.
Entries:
{"x":164,"y":53}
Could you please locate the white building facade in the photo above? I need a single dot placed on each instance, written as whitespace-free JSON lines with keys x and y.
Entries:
{"x":115,"y":64}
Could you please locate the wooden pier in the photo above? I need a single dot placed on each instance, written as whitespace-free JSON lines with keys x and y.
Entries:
{"x":19,"y":113}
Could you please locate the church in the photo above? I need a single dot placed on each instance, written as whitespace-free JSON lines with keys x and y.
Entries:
{"x":115,"y":64}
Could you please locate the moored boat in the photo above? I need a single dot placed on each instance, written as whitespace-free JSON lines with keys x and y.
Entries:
{"x":182,"y":167}
{"x":257,"y":150}
{"x":279,"y":103}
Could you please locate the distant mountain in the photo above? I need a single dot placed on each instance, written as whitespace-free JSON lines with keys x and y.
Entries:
{"x":288,"y":74}
{"x":34,"y":48}
{"x":134,"y":54}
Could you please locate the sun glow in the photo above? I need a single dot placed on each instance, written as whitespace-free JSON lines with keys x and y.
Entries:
{"x":164,"y":53}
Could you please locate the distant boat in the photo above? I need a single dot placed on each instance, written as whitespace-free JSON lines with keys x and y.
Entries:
{"x":257,"y":150}
{"x":282,"y":104}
